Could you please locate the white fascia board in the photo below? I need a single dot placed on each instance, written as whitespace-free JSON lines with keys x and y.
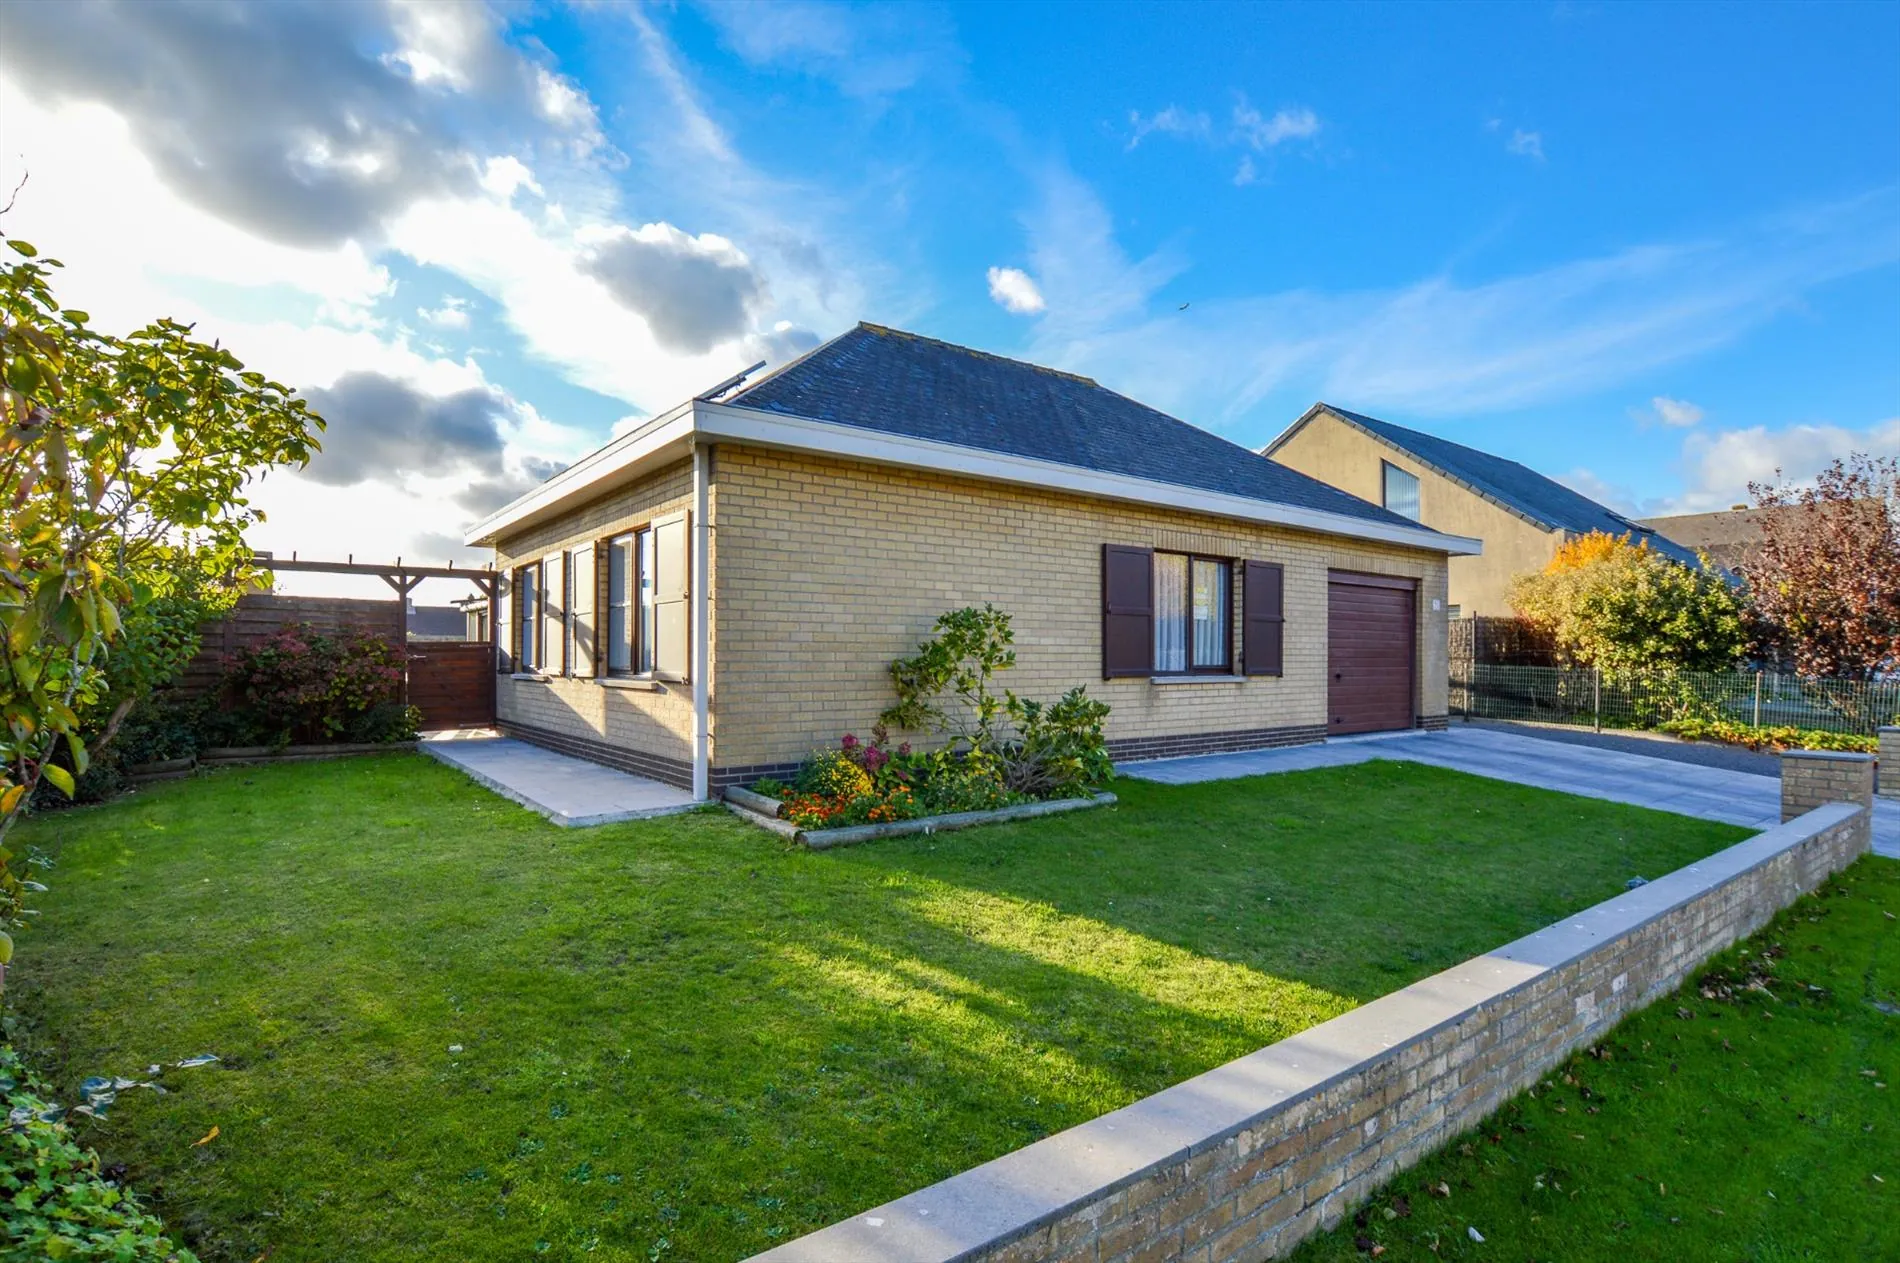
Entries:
{"x":661,"y":440}
{"x":727,"y":422}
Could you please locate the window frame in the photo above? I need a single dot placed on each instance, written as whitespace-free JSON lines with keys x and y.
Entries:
{"x":528,"y":648}
{"x":1386,"y":470}
{"x":568,"y":626}
{"x":1226,"y":667}
{"x":638,"y":541}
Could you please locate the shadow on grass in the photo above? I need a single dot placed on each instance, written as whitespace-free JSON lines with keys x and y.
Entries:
{"x":453,"y":1030}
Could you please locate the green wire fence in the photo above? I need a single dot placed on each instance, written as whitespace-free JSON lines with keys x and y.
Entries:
{"x":1648,"y":699}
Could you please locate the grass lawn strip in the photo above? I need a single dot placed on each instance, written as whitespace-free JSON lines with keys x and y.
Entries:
{"x":450,"y":1029}
{"x":1753,"y":1115}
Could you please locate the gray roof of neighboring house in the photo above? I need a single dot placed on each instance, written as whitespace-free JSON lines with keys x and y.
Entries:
{"x":903,"y":384}
{"x":1517,"y":487}
{"x":1726,"y":536}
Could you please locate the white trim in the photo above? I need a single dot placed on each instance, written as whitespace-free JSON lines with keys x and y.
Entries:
{"x":770,"y":429}
{"x":701,"y":617}
{"x":1201,"y":679}
{"x":664,"y":438}
{"x":646,"y":444}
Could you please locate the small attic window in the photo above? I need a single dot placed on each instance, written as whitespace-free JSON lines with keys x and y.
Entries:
{"x":1401,"y":491}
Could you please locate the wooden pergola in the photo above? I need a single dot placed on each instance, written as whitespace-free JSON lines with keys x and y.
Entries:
{"x":402,"y":578}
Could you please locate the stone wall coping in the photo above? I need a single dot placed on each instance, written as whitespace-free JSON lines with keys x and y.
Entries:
{"x":1890,"y":728}
{"x":1831,"y":756}
{"x":969,"y":1213}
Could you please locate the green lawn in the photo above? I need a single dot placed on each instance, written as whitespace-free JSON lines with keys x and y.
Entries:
{"x":1727,"y":1122}
{"x":679,"y":1040}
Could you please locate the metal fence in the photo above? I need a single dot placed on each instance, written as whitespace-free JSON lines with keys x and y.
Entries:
{"x":1646,"y":699}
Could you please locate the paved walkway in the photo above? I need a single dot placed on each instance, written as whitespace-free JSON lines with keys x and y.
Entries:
{"x":1684,"y":788}
{"x":566,"y":790}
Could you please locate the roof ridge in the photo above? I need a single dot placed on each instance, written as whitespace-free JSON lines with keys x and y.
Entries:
{"x":891,"y":331}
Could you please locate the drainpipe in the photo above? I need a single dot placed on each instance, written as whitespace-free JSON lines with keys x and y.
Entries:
{"x":702,"y":622}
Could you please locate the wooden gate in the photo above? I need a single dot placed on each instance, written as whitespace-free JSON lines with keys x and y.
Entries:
{"x":453,"y":683}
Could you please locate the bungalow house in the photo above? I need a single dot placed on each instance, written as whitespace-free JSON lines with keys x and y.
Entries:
{"x":712,"y":595}
{"x":1522,"y":516}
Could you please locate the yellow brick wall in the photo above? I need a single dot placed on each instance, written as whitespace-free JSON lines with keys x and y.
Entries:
{"x":659,"y":722}
{"x":830,"y":569}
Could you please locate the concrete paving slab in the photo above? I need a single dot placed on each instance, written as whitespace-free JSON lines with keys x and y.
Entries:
{"x":570,"y":792}
{"x":1616,"y":775}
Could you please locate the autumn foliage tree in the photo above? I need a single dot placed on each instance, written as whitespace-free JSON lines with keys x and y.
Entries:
{"x":1609,"y":603}
{"x":1824,"y":580}
{"x":123,"y":462}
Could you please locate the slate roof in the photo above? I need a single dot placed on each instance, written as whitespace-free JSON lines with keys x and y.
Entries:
{"x":1727,"y":536}
{"x":900,"y":383}
{"x":1543,"y":500}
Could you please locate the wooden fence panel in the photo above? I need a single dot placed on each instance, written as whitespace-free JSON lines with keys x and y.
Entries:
{"x":260,"y":614}
{"x":453,"y":683}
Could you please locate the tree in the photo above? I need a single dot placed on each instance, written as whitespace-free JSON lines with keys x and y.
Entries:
{"x":1608,"y":603}
{"x":1824,"y":581}
{"x":119,"y":456}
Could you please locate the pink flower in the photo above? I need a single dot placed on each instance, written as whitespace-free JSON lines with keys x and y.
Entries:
{"x":850,"y":742}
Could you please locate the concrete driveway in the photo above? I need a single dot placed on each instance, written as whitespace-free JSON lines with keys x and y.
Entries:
{"x":1685,"y":788}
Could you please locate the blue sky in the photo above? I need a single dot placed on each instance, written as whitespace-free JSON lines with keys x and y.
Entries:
{"x":1653,"y":250}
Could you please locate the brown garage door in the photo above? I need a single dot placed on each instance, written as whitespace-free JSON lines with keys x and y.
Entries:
{"x":1369,"y":653}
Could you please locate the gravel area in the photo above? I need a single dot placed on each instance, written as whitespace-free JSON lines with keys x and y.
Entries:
{"x":1656,"y":745}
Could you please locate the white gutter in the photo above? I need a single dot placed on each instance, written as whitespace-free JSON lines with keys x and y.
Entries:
{"x":772,"y":429}
{"x":668,"y":437}
{"x":701,"y":619}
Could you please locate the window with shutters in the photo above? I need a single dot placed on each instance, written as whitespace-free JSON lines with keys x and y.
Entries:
{"x":646,"y":594}
{"x":1167,"y":613}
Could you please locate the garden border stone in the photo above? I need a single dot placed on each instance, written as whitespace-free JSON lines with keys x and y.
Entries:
{"x":825,"y":839}
{"x":292,"y":754}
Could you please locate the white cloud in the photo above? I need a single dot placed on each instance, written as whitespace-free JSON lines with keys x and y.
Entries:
{"x":1172,"y":121}
{"x":869,"y":50}
{"x":1678,"y":413}
{"x":1717,"y":467}
{"x":1525,"y":144}
{"x":452,"y":314}
{"x":1245,"y":173}
{"x":1014,"y":291}
{"x":1263,"y":133}
{"x":1611,"y":495}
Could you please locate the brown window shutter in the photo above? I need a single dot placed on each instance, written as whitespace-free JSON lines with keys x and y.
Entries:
{"x":672,"y":590}
{"x":1127,"y":611}
{"x":1263,"y":618}
{"x":501,"y":610}
{"x":582,"y":559}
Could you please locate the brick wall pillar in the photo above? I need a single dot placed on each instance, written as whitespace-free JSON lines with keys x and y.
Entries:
{"x":1889,"y":786}
{"x":1812,"y":778}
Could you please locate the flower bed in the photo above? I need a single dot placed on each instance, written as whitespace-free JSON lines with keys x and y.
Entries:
{"x":1767,"y":738}
{"x":1005,"y":757}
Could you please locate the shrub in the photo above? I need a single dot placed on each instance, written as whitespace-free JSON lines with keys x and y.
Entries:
{"x":54,"y":1201}
{"x":1765,"y":738}
{"x":1621,"y":606}
{"x":1001,"y":748}
{"x":771,"y":787}
{"x":302,"y":685}
{"x":833,"y":774}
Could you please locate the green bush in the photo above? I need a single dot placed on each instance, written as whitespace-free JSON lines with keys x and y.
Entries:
{"x":832,"y":774}
{"x":1780,"y":738}
{"x":54,"y":1201}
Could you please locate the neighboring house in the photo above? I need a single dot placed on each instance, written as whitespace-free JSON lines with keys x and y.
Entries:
{"x":1522,"y":516}
{"x":438,"y":622}
{"x":1728,"y":537}
{"x":712,"y":595}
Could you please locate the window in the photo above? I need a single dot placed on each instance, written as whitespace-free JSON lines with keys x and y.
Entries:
{"x":528,"y":592}
{"x":1192,"y":613}
{"x":630,"y":603}
{"x":1401,"y":491}
{"x":619,"y":594}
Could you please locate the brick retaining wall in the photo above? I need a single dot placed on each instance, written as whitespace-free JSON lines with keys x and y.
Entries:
{"x":1889,"y":786}
{"x":1245,"y":1161}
